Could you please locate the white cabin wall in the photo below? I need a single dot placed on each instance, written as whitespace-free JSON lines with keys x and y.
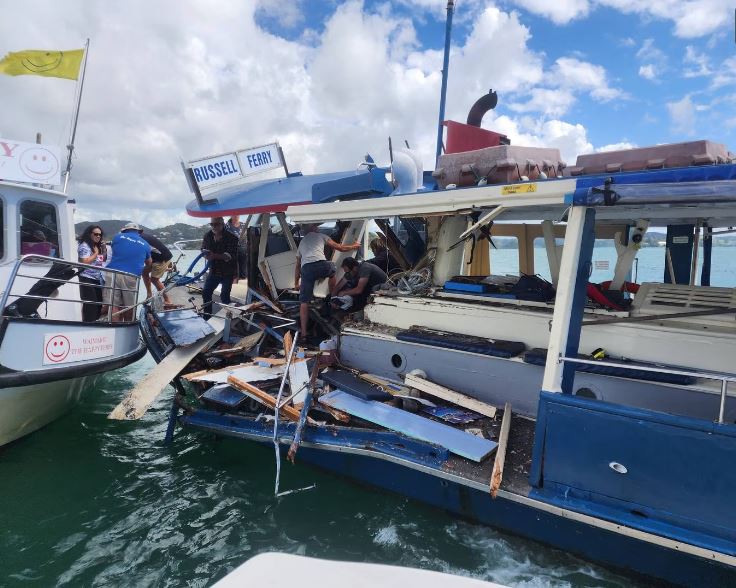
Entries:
{"x":448,"y":264}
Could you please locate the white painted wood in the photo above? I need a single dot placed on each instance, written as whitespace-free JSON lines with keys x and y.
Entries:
{"x":626,"y":254}
{"x":435,"y":203}
{"x":448,"y":262}
{"x":138,"y":400}
{"x":553,"y":251}
{"x":281,"y":270}
{"x":449,"y":395}
{"x":248,"y":373}
{"x":563,"y":301}
{"x":299,"y":381}
{"x":281,"y":217}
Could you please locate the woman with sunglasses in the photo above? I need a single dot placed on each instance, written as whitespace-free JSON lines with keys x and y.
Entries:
{"x":92,"y":251}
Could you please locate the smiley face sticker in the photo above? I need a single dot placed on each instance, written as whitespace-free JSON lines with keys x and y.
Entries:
{"x":57,"y":348}
{"x":39,"y":163}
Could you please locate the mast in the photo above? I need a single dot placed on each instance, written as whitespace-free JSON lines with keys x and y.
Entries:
{"x":73,"y":134}
{"x":445,"y":67}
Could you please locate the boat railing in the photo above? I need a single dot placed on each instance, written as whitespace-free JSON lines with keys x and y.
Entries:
{"x":21,"y":270}
{"x":718,"y":376}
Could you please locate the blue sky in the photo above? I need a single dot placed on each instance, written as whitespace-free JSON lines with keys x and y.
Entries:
{"x":333,"y":79}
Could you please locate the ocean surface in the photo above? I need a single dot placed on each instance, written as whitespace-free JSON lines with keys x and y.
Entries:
{"x":91,"y":502}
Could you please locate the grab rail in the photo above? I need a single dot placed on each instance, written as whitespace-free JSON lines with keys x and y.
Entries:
{"x":32,"y":258}
{"x":723,"y":377}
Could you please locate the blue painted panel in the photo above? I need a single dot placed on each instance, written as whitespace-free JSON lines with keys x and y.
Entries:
{"x":224,"y":395}
{"x":458,"y":442}
{"x":614,"y":549}
{"x":676,"y":473}
{"x":680,"y":243}
{"x":364,"y":185}
{"x":184,"y":326}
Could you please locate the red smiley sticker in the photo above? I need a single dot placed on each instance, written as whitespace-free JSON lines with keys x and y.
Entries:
{"x":57,"y":348}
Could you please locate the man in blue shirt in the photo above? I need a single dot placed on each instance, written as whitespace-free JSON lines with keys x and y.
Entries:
{"x":131,"y":254}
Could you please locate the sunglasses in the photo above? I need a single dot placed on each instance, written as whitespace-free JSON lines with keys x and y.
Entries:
{"x":216,"y":224}
{"x":97,"y":234}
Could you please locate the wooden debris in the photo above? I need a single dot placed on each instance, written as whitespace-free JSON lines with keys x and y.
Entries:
{"x":243,"y":346}
{"x":390,"y":386}
{"x":288,"y":341}
{"x":262,"y":397}
{"x":338,"y":415}
{"x":503,"y":437}
{"x":450,"y":395}
{"x":138,"y":401}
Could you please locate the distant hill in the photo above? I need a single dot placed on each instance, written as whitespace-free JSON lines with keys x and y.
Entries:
{"x":168,"y":234}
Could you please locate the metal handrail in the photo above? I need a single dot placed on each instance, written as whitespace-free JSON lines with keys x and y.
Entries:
{"x":724,"y":378}
{"x":32,"y":257}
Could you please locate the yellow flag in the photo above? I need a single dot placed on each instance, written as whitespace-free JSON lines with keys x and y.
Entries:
{"x":53,"y":64}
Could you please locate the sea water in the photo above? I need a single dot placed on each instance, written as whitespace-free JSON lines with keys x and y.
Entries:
{"x":92,"y":502}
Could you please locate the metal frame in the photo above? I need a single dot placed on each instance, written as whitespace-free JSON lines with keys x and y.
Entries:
{"x":724,"y":378}
{"x":14,"y":273}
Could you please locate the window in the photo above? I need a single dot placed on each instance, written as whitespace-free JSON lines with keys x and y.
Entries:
{"x":39,"y":232}
{"x":505,"y":257}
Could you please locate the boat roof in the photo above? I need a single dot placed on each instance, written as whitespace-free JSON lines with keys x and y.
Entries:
{"x":276,"y":195}
{"x":8,"y":187}
{"x":666,"y":195}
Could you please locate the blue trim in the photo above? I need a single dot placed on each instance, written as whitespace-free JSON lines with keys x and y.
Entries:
{"x":616,"y":549}
{"x":579,"y":299}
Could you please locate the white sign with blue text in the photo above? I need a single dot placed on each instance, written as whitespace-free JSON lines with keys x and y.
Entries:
{"x":30,"y":162}
{"x":218,"y":169}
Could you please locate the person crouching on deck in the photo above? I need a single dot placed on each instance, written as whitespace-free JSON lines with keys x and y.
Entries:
{"x":220,"y":248}
{"x":312,"y":265}
{"x":361,"y":279}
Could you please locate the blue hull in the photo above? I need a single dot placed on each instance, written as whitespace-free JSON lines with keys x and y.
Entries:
{"x":422,"y":479}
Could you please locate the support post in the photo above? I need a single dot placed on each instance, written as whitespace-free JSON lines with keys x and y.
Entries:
{"x":445,"y":73}
{"x":567,"y":320}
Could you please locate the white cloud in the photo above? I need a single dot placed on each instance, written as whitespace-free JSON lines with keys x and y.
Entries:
{"x":575,"y":74}
{"x":559,"y":12}
{"x":725,"y":74}
{"x":648,"y":72}
{"x":697,"y":63}
{"x":552,"y":103}
{"x":651,"y":53}
{"x":187,"y":81}
{"x":682,"y":114}
{"x":692,"y":18}
{"x":616,"y":147}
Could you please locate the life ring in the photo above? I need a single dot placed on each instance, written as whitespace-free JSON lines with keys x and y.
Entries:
{"x":630,"y":287}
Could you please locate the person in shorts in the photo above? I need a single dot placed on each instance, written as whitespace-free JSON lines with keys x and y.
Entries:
{"x":161,"y":258}
{"x":130,"y":254}
{"x":312,"y":266}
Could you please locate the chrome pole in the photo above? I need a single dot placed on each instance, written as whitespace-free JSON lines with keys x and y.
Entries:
{"x":722,"y":409}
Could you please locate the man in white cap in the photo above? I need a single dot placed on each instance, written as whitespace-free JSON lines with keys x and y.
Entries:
{"x":131,"y":254}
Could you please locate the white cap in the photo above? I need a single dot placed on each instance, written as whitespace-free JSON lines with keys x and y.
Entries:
{"x":130,"y":226}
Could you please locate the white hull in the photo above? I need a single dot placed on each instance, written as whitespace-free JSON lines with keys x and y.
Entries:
{"x":26,"y":409}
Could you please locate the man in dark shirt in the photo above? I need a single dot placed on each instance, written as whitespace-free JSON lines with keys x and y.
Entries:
{"x":359,"y":281}
{"x":220,"y":248}
{"x":161,"y":257}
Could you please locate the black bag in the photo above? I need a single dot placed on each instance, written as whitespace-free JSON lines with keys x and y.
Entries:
{"x":533,"y":288}
{"x":28,"y":307}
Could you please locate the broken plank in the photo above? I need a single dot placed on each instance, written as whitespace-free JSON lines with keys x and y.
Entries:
{"x":503,"y":437}
{"x":262,"y":397}
{"x":393,"y":387}
{"x":449,"y":395}
{"x":248,"y":373}
{"x":412,"y":425}
{"x":298,"y":381}
{"x":138,"y":401}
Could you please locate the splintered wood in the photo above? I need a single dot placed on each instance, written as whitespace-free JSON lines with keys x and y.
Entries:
{"x":503,"y":437}
{"x":449,"y":395}
{"x":262,"y":397}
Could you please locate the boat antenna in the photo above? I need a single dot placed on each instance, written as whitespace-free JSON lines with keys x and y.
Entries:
{"x":445,"y":68}
{"x":73,"y":134}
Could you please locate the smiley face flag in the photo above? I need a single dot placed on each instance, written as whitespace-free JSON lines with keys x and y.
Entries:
{"x":52,"y":64}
